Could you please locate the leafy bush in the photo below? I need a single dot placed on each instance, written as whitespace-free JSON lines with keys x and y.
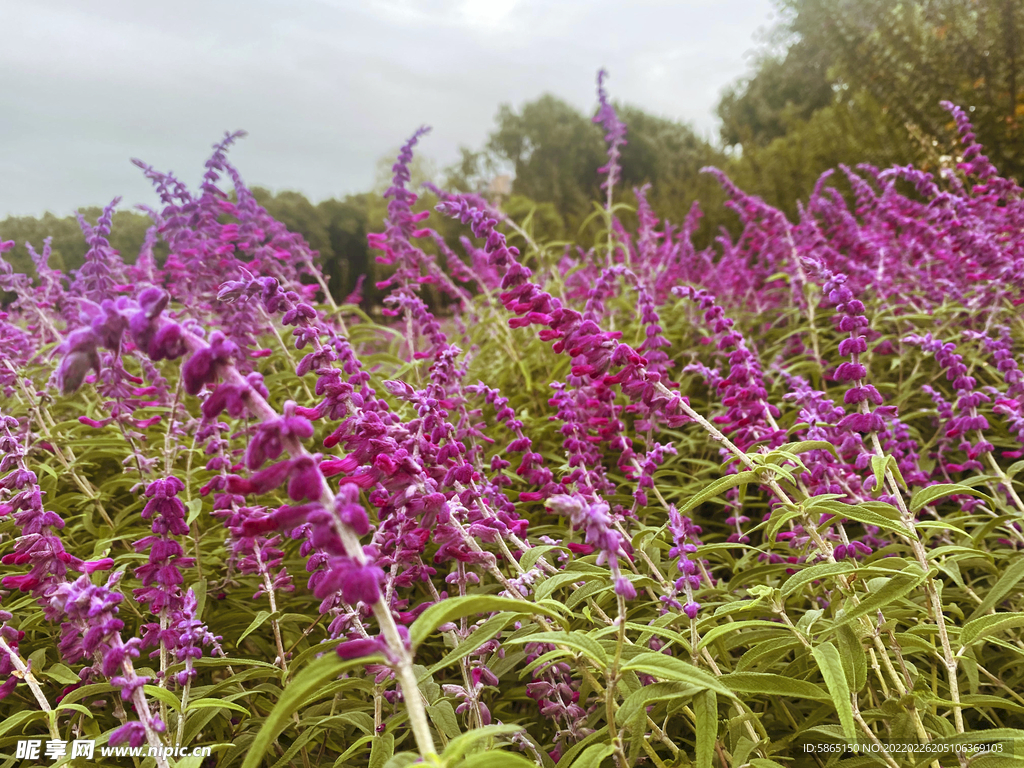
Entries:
{"x":642,"y":504}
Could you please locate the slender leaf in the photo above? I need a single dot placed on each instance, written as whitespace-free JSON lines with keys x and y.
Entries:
{"x":831,"y":665}
{"x":705,"y":710}
{"x":977,"y":629}
{"x":457,"y":607}
{"x":301,"y":690}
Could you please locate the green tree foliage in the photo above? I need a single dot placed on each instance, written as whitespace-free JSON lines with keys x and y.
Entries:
{"x":911,"y":55}
{"x":337,"y":229}
{"x":68,"y":244}
{"x":864,"y":80}
{"x":555,"y":152}
{"x":669,"y":156}
{"x":850,"y":131}
{"x":783,"y":91}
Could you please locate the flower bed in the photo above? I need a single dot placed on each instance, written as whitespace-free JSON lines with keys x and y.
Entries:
{"x":641,"y":503}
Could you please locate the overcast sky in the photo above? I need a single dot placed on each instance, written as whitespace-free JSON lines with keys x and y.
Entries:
{"x":325,"y":87}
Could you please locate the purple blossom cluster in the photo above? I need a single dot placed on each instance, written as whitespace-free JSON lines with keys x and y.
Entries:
{"x":615,"y":134}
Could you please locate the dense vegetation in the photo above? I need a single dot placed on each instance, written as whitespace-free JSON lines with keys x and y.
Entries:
{"x":636,"y":502}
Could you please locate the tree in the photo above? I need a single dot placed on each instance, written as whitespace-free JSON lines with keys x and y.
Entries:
{"x":853,"y":130}
{"x":907,"y":56}
{"x":68,"y":244}
{"x":784,"y":90}
{"x":347,"y":223}
{"x":555,"y":152}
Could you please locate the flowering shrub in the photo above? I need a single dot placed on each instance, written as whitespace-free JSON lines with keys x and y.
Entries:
{"x":637,"y":504}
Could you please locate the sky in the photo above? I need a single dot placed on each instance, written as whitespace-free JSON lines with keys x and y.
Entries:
{"x":325,"y":88}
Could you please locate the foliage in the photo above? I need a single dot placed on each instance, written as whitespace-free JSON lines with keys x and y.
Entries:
{"x":553,"y":150}
{"x":67,"y":246}
{"x":911,"y":55}
{"x":633,"y":502}
{"x":841,"y":80}
{"x":847,"y":132}
{"x":784,"y":90}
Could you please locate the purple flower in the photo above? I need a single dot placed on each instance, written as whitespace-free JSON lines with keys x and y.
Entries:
{"x":133,"y":732}
{"x":615,"y":134}
{"x":202,"y":367}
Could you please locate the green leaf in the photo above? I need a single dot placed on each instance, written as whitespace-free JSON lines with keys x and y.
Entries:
{"x":705,"y":709}
{"x":717,"y":487}
{"x":803,"y":446}
{"x":61,"y":674}
{"x":925,"y":496}
{"x":216,"y":703}
{"x":780,"y":516}
{"x":343,"y":759}
{"x":547,"y":587}
{"x":855,"y":659}
{"x":577,"y":641}
{"x":975,"y":629}
{"x":881,"y":464}
{"x":442,"y":714}
{"x":486,"y":631}
{"x":457,"y":607}
{"x":162,"y":694}
{"x":894,"y":589}
{"x":74,"y":707}
{"x":256,"y":623}
{"x":199,"y":590}
{"x":195,"y":506}
{"x":302,"y":689}
{"x":382,"y":750}
{"x":734,"y":626}
{"x":766,"y":683}
{"x":12,"y":722}
{"x":532,"y":555}
{"x":876,"y":513}
{"x":813,"y":573}
{"x":831,"y":665}
{"x":592,"y":756}
{"x":648,"y":694}
{"x":1001,"y":588}
{"x":459,"y":747}
{"x":671,"y":668}
{"x":88,"y":691}
{"x":226,"y":662}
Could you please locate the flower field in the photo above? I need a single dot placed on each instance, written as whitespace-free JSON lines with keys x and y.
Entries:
{"x":631,"y":503}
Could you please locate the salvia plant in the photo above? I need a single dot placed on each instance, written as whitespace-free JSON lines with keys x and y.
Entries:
{"x":640,"y":503}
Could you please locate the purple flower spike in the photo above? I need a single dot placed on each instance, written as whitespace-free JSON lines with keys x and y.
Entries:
{"x":615,"y":133}
{"x":80,"y":356}
{"x":202,"y":368}
{"x":134,"y":733}
{"x":625,"y":588}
